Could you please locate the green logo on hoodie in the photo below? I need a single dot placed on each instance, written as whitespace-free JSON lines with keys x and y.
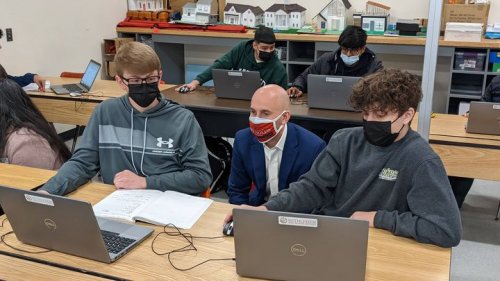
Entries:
{"x":388,"y":174}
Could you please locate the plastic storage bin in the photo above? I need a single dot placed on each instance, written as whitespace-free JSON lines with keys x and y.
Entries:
{"x":494,"y":57}
{"x":469,"y":61}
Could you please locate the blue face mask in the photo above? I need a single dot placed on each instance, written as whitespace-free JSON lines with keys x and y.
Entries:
{"x":349,"y":60}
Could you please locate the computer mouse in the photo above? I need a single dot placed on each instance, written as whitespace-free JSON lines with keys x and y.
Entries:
{"x":75,"y":94}
{"x":228,"y":229}
{"x":183,"y":90}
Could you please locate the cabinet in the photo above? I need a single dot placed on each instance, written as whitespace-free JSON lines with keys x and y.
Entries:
{"x":471,"y":72}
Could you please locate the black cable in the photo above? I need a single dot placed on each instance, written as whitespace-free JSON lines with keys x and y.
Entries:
{"x":189,"y":247}
{"x":4,"y":236}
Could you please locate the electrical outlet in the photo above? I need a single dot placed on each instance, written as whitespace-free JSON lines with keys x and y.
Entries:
{"x":8,"y":32}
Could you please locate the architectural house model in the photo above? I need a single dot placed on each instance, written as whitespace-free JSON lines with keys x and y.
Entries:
{"x":240,"y":14}
{"x":285,"y":16}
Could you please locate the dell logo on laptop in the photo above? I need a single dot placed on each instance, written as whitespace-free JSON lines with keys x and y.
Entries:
{"x":50,"y":224}
{"x":298,"y":250}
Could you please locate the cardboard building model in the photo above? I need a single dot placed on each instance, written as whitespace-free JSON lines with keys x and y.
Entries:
{"x":246,"y":15}
{"x":201,"y":12}
{"x":285,"y":16}
{"x":333,"y":16}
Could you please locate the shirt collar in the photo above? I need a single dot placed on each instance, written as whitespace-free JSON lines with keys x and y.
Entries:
{"x":281,"y":143}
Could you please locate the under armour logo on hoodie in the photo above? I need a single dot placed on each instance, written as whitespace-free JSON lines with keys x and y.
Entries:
{"x":169,"y":143}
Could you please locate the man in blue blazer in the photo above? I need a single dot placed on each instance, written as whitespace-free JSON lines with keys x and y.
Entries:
{"x":272,"y":153}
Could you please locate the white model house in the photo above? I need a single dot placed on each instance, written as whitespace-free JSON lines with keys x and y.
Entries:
{"x":146,"y":5}
{"x":240,"y":14}
{"x":285,"y":16}
{"x":333,"y":16}
{"x":206,"y":11}
{"x":189,"y":12}
{"x":202,"y":12}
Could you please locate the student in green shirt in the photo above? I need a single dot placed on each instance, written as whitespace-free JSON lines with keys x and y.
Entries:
{"x":252,"y":55}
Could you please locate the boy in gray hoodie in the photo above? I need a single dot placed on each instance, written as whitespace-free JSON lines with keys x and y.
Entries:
{"x":383,"y":172}
{"x":139,"y":140}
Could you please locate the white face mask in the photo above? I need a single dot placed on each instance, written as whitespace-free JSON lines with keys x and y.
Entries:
{"x":349,"y":60}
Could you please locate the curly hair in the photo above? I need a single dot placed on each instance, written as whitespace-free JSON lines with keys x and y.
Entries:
{"x":387,"y":90}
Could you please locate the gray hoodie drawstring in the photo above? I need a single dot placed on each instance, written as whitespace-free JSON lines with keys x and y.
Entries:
{"x":144,"y":144}
{"x":132,"y":143}
{"x":131,"y":139}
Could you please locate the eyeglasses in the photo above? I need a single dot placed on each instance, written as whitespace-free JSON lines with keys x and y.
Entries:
{"x":138,"y":81}
{"x":352,"y":52}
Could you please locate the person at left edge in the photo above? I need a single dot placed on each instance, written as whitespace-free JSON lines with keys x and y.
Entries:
{"x":26,"y":79}
{"x":140,"y":140}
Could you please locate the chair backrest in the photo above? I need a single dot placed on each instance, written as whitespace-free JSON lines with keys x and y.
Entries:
{"x":67,"y":74}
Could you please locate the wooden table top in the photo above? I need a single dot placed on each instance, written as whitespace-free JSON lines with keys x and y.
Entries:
{"x":450,"y":129}
{"x":400,"y":40}
{"x":19,"y":269}
{"x":389,"y":257}
{"x":101,"y":90}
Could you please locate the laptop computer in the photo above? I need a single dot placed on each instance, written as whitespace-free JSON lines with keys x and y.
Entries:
{"x":233,"y":84}
{"x":484,"y":118}
{"x":330,"y":92}
{"x":289,"y":246}
{"x":67,"y":225}
{"x":84,"y":85}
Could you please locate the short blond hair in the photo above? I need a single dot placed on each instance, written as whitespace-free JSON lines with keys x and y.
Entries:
{"x":136,"y":58}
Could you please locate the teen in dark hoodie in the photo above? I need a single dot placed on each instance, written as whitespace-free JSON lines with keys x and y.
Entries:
{"x":353,"y":58}
{"x":139,"y":140}
{"x":253,"y":55}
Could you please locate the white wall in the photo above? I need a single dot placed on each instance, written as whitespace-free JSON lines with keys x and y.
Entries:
{"x":56,"y":35}
{"x":407,"y":9}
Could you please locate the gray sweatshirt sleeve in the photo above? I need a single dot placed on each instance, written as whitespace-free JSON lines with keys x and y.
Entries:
{"x":195,"y":176}
{"x":83,"y":165}
{"x":434,"y":216}
{"x":313,"y":189}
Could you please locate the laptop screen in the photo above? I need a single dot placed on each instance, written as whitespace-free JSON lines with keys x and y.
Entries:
{"x":90,"y":74}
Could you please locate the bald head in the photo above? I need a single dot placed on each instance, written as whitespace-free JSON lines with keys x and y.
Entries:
{"x":272,"y":98}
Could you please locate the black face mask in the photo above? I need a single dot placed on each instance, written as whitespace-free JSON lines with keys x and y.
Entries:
{"x":265,"y":56}
{"x":143,"y":94}
{"x":379,"y":132}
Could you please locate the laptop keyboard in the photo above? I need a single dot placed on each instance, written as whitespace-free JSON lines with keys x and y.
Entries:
{"x":72,"y":88}
{"x":114,"y":242}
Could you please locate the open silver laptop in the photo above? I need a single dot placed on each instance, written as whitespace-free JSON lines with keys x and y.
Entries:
{"x":67,"y":225}
{"x":288,"y":246}
{"x":233,"y":84}
{"x":330,"y":92}
{"x":85,"y":84}
{"x":484,"y":118}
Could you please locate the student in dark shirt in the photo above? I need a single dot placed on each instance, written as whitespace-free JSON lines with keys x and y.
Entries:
{"x":24,"y":80}
{"x":352,"y":58}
